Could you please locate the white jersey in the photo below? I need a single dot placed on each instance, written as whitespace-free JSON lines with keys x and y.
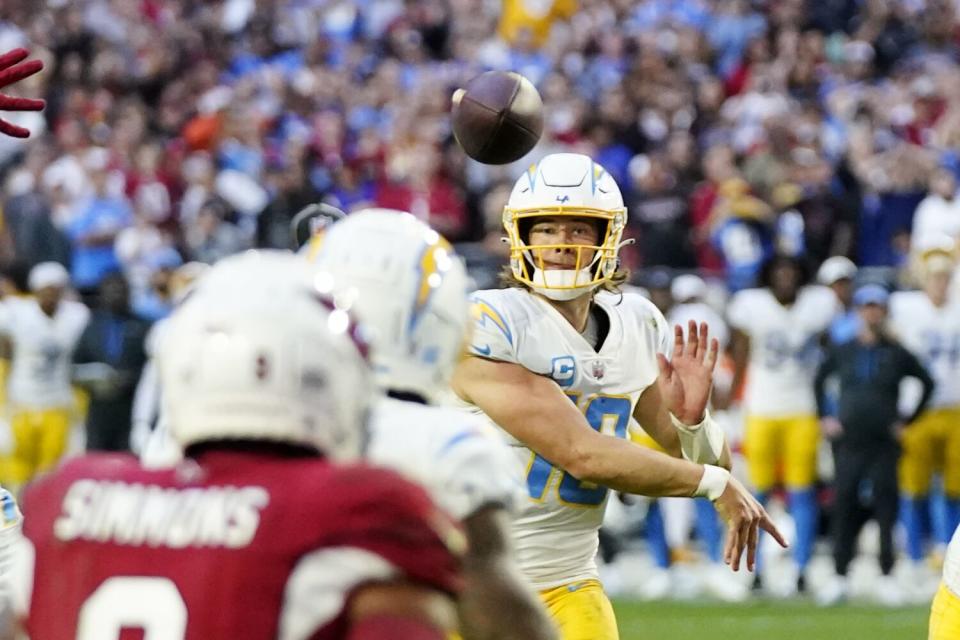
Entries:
{"x":458,"y":458}
{"x":783,"y":347}
{"x":933,"y":335}
{"x":148,"y":433}
{"x":555,"y":531}
{"x":683,"y":313}
{"x":43,"y":349}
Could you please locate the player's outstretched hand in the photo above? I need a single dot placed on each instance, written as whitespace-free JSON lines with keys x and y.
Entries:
{"x":12,"y":70}
{"x":744,"y":517}
{"x":687,"y":378}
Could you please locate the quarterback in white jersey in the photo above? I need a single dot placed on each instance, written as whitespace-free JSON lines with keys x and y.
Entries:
{"x":41,"y":332}
{"x":556,"y":532}
{"x":561,"y":368}
{"x":777,"y":331}
{"x":927,"y":322}
{"x":409,"y":290}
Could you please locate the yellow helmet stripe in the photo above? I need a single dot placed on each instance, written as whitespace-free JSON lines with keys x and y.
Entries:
{"x":432,"y":265}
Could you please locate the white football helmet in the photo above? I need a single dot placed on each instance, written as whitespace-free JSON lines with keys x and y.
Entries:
{"x":409,"y":290}
{"x":565,"y":184}
{"x":256,"y":352}
{"x":936,"y":253}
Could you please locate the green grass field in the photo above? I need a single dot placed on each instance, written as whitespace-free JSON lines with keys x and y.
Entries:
{"x":794,"y":620}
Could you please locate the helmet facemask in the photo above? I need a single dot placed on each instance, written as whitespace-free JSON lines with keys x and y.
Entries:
{"x":588,"y":272}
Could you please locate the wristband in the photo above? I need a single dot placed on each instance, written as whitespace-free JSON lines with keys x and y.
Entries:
{"x":713,"y":482}
{"x":701,"y":443}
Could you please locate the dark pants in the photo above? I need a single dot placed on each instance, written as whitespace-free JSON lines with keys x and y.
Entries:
{"x":108,"y":425}
{"x":866,"y":484}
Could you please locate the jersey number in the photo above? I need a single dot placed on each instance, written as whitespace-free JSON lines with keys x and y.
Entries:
{"x":125,"y":602}
{"x":600,"y":412}
{"x":777,"y":350}
{"x":943,"y":347}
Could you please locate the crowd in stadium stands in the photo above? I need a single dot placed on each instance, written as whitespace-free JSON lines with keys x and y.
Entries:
{"x":181,"y":131}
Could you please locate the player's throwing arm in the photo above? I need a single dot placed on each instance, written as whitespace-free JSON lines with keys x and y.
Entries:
{"x":534,"y":410}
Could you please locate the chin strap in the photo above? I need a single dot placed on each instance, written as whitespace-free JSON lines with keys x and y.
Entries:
{"x":560,"y":290}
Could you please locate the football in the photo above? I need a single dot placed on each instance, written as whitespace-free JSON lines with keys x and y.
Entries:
{"x":498,"y":117}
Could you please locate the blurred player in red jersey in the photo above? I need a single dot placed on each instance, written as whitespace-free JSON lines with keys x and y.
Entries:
{"x":12,"y":70}
{"x":261,"y":531}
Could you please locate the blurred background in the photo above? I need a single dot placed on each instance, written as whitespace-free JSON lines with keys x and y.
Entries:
{"x":178,"y":132}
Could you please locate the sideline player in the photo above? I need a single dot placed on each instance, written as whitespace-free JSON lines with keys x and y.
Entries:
{"x":776,"y":331}
{"x":409,"y":290}
{"x":928,"y":323}
{"x":561,"y":367}
{"x":41,"y":333}
{"x":259,"y":532}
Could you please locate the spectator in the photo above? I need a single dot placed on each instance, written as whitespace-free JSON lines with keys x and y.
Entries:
{"x":93,"y":231}
{"x":868,"y":425}
{"x":416,"y":183}
{"x":213,"y":237}
{"x":110,"y":355}
{"x":719,"y":165}
{"x":486,"y":259}
{"x":741,"y":233}
{"x":660,"y":214}
{"x":828,"y":225}
{"x":292,"y":193}
{"x":27,"y":218}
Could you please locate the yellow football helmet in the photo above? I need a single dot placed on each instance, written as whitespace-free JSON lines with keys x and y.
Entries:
{"x":565,"y":184}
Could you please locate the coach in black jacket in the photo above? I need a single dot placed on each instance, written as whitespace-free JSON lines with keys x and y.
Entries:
{"x":867,"y":428}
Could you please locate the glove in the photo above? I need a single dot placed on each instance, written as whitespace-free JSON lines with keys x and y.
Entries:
{"x":11,"y":72}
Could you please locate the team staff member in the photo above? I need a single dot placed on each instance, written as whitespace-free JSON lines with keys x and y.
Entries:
{"x":868,"y":425}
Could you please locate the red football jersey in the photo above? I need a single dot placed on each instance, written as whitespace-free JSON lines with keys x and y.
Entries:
{"x":231,"y":545}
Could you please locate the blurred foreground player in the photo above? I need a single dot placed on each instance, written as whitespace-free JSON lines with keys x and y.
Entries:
{"x":258,"y":532}
{"x":410,"y":292}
